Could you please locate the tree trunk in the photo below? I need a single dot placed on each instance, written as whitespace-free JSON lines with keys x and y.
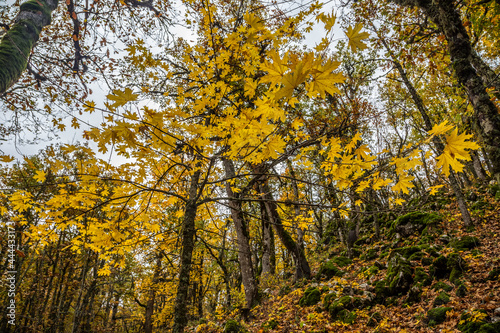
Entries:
{"x":419,"y":103}
{"x":302,"y":269}
{"x":244,"y":251}
{"x":486,"y":118}
{"x":148,"y":321}
{"x":188,"y":241}
{"x":18,"y":41}
{"x":269,"y":254}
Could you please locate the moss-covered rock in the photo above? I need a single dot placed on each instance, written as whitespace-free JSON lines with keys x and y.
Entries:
{"x":472,"y":323}
{"x":312,"y":295}
{"x":456,"y":266}
{"x":437,"y":316}
{"x":271,"y":324}
{"x":411,"y":223}
{"x":232,"y":326}
{"x":438,"y":268}
{"x":421,"y":277}
{"x":426,"y":261}
{"x":443,"y":286}
{"x":328,"y":270}
{"x":328,"y":299}
{"x":413,"y":295}
{"x":441,"y":299}
{"x":342,"y":261}
{"x":399,"y":276}
{"x":346,"y":316}
{"x":370,"y":254}
{"x":466,"y":243}
{"x":461,"y":290}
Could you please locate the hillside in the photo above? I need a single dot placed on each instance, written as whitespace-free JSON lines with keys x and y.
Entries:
{"x":426,"y":273}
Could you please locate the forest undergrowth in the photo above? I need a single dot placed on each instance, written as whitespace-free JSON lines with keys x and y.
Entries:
{"x":444,"y":278}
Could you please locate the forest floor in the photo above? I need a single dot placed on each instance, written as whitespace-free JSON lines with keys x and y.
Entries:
{"x":442,"y":279}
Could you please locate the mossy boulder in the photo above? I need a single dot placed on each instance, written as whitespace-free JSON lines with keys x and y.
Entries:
{"x":342,"y":261}
{"x":399,"y":276}
{"x":411,"y":223}
{"x":329,"y":270}
{"x":473,"y":323}
{"x":441,"y":299}
{"x":370,"y":254}
{"x":461,"y":290}
{"x":312,"y":295}
{"x":421,"y":277}
{"x":436,"y":316}
{"x":328,"y":299}
{"x":232,"y":326}
{"x":438,"y":268}
{"x":443,"y":286}
{"x":456,"y":265}
{"x":413,"y":295}
{"x":466,"y":243}
{"x":346,"y":316}
{"x":407,"y":251}
{"x":338,"y":308}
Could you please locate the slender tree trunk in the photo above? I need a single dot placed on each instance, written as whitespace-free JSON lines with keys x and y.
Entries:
{"x":419,"y":103}
{"x":243,"y":240}
{"x":302,"y":269}
{"x":268,"y":255}
{"x":478,"y":167}
{"x":486,"y":118}
{"x":18,"y":41}
{"x":150,"y":305}
{"x":188,"y":242}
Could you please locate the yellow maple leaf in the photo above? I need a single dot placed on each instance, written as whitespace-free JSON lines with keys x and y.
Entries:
{"x":6,"y":158}
{"x":328,"y":20}
{"x":40,"y":176}
{"x":403,"y":184}
{"x":324,"y":80}
{"x":275,"y":70}
{"x":454,"y":151}
{"x":434,"y":189}
{"x":122,"y":97}
{"x":441,"y":128}
{"x":356,"y":37}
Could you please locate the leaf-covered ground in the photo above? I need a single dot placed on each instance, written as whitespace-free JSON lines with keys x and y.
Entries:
{"x":445,"y":271}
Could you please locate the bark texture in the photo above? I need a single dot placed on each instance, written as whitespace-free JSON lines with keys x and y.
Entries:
{"x":18,"y":41}
{"x":244,"y":251}
{"x":188,"y":242}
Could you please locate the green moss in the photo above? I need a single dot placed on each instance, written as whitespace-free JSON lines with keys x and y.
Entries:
{"x":421,"y":277}
{"x":311,"y":296}
{"x":441,"y":299}
{"x":466,"y":325}
{"x":399,"y":275}
{"x":443,"y":286}
{"x":438,"y":268}
{"x":414,"y":222}
{"x":370,"y":254}
{"x":426,"y":261}
{"x":329,"y":270}
{"x":346,"y":316}
{"x":461,"y":290}
{"x":232,"y":326}
{"x":456,"y":265}
{"x":413,"y":295}
{"x":466,"y":243}
{"x":342,"y":261}
{"x":437,"y":316}
{"x":328,"y":299}
{"x":490,"y":328}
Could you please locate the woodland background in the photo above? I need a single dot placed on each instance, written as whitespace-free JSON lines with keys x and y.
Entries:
{"x":288,"y":166}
